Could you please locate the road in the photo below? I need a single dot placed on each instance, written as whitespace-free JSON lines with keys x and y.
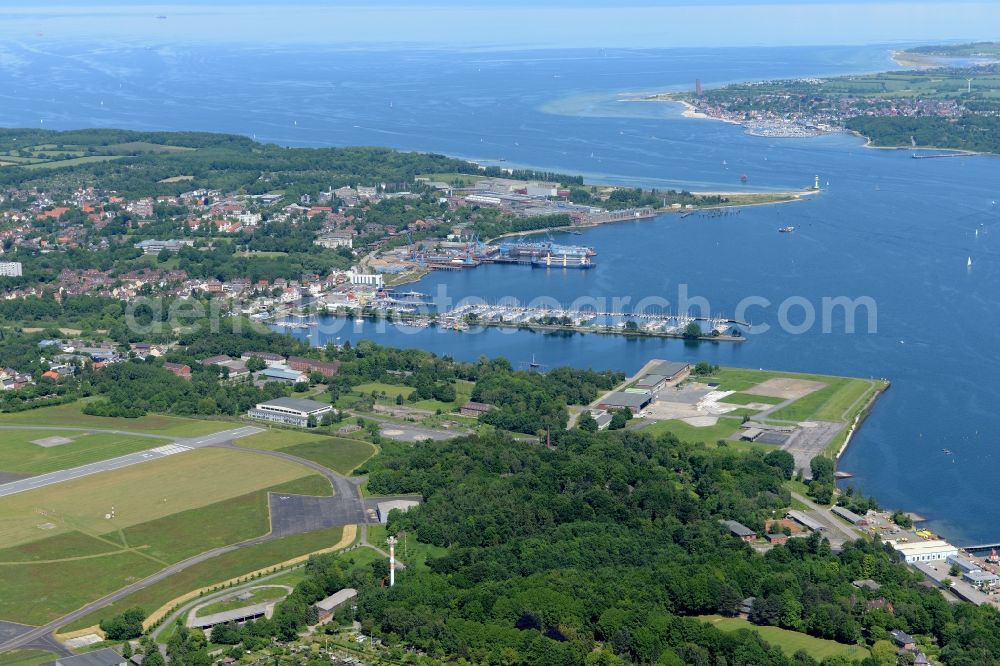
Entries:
{"x":177,"y":445}
{"x":844,"y":531}
{"x":343,"y":487}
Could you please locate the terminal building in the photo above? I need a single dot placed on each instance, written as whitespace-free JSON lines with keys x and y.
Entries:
{"x":290,"y":411}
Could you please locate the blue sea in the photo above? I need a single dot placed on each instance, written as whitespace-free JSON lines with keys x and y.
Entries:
{"x":886,"y":228}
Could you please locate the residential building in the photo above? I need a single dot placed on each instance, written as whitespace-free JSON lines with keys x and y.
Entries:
{"x":903,"y":639}
{"x":268,"y":357}
{"x":10,"y":268}
{"x":182,"y":370}
{"x":334,"y":241}
{"x":369,"y":279}
{"x":325,"y":368}
{"x":290,"y":411}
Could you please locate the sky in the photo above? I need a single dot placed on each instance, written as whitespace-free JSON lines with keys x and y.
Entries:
{"x":512,"y":24}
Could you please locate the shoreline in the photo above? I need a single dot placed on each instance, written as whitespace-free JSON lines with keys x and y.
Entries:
{"x":859,"y":419}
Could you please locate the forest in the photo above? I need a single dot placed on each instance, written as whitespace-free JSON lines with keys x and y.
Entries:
{"x":610,"y":543}
{"x":970,"y":132}
{"x":225,"y":162}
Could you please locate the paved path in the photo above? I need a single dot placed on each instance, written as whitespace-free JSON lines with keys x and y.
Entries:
{"x":178,"y":445}
{"x":833,"y":524}
{"x":343,"y":488}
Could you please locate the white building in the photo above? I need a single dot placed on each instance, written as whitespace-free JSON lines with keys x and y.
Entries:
{"x":334,"y":241}
{"x":290,"y":411}
{"x":370,"y":279}
{"x":932,"y":550}
{"x":10,"y":268}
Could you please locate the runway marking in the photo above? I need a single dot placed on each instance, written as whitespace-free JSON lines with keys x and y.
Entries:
{"x":170,"y":449}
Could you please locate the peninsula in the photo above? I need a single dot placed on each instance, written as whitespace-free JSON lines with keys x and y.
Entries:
{"x":949,"y":102}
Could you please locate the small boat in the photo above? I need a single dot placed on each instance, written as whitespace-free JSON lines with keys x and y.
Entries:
{"x":576,"y":233}
{"x":968,"y":262}
{"x":744,"y":178}
{"x":786,"y":230}
{"x":947,"y":452}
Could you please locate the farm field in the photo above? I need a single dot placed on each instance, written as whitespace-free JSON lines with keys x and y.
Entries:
{"x":790,"y":641}
{"x":72,"y":415}
{"x":19,"y":454}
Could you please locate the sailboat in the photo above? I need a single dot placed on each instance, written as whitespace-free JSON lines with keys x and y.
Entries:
{"x":968,"y":263}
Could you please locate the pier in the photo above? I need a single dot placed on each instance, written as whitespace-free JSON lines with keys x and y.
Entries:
{"x":663,"y":324}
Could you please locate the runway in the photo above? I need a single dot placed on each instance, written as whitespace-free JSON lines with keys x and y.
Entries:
{"x":178,"y":445}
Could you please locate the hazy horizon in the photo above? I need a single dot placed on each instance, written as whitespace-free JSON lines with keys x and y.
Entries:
{"x":514,"y":25}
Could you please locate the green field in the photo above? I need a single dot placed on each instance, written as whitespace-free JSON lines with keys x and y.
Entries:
{"x":340,"y":454}
{"x":258,"y":595}
{"x":218,"y":569}
{"x":463,"y":392}
{"x":19,"y":455}
{"x":182,"y":535}
{"x":52,"y":575}
{"x":277,"y":438}
{"x":840,"y":400}
{"x":140,"y":493}
{"x":40,"y":593}
{"x":58,"y":547}
{"x":689,"y":433}
{"x":25,"y":657}
{"x":74,"y":161}
{"x":790,"y":641}
{"x":746,"y":399}
{"x":71,"y":415}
